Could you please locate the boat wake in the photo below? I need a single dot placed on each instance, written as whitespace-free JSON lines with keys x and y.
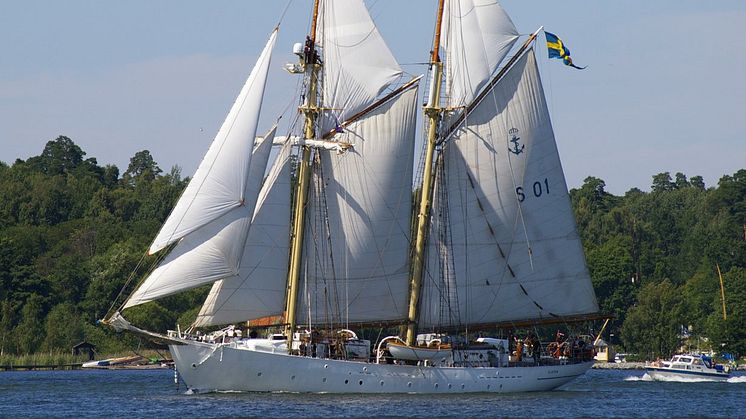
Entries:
{"x":646,"y":377}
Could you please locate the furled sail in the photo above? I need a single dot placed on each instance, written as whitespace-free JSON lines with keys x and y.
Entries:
{"x":477,"y":34}
{"x":219,"y":184}
{"x":358,"y":65}
{"x":259,"y":288}
{"x":214,"y":251}
{"x":512,"y":247}
{"x":356,"y":254}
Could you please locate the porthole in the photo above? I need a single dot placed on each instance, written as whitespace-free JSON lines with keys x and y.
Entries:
{"x":463,"y":386}
{"x":347,"y":381}
{"x":381,"y":383}
{"x":323,"y":380}
{"x":436,"y":385}
{"x":259,"y":374}
{"x":326,"y":365}
{"x":292,"y":377}
{"x":409,"y":384}
{"x":360,"y":382}
{"x":450,"y":386}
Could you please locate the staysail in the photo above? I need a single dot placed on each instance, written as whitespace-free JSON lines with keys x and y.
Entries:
{"x":477,"y":35}
{"x":512,"y":246}
{"x":219,"y":183}
{"x":358,"y":64}
{"x":212,"y":230}
{"x":259,"y":288}
{"x":358,"y":220}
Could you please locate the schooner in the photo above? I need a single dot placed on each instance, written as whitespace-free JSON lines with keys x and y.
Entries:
{"x":332,"y":237}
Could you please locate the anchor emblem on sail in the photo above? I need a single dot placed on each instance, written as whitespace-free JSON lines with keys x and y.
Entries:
{"x":517,"y":147}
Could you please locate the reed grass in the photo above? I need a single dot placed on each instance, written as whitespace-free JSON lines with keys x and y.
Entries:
{"x":64,"y":358}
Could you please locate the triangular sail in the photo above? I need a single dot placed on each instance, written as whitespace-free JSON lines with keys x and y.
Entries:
{"x":513,"y":248}
{"x":214,"y":251}
{"x":477,"y":35}
{"x":358,"y":65}
{"x":358,"y":220}
{"x":220,"y":180}
{"x":259,"y":288}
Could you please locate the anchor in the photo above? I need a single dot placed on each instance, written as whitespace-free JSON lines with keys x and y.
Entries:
{"x":514,"y":138}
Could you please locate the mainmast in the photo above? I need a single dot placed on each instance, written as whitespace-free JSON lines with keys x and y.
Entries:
{"x":432,"y":112}
{"x":310,"y":110}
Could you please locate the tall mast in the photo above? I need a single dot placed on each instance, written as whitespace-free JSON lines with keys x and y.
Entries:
{"x":433,"y":112}
{"x":310,"y":111}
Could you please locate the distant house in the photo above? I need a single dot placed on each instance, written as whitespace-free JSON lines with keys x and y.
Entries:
{"x":83,"y":348}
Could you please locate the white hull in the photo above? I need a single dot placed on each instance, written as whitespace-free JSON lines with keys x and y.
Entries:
{"x":211,"y":367}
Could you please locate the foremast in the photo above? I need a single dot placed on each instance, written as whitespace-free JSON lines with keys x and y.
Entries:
{"x":310,"y":110}
{"x":433,"y":112}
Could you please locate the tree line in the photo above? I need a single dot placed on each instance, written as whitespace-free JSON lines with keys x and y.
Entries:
{"x":73,"y":233}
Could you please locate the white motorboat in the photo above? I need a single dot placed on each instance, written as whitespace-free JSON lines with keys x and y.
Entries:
{"x":689,"y":366}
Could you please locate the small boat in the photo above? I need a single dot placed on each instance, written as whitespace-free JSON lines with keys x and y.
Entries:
{"x":688,"y":366}
{"x":419,"y":353}
{"x":103,"y":363}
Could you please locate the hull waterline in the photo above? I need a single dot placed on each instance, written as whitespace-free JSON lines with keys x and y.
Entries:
{"x":208,"y":367}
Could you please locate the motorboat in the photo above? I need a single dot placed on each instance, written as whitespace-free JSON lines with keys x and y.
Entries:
{"x":688,"y":366}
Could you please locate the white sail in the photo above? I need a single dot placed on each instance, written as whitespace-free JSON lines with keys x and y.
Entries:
{"x":514,"y":252}
{"x":214,"y":251}
{"x":477,"y":34}
{"x":219,"y":184}
{"x":259,"y":288}
{"x":358,"y":65}
{"x":358,"y":220}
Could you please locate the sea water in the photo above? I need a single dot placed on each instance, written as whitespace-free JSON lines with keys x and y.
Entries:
{"x":152,"y":393}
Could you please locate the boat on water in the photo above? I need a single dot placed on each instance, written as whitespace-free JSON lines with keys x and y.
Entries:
{"x":688,"y":366}
{"x":335,"y":238}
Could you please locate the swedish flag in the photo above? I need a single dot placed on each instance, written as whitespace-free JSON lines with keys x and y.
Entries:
{"x":557,"y":49}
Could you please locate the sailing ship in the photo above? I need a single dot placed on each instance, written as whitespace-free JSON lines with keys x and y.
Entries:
{"x":335,"y":238}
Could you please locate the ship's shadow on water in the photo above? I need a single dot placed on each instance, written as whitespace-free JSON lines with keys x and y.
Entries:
{"x":141,"y":394}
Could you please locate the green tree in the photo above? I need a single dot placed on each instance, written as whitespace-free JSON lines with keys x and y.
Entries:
{"x":30,"y":331}
{"x":7,"y":321}
{"x":662,"y":182}
{"x":730,"y":334}
{"x":142,"y":167}
{"x":63,"y":327}
{"x":652,"y":326}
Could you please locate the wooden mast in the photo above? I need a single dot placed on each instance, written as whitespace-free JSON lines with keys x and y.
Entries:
{"x":722,"y":291}
{"x":310,"y":111}
{"x":433,"y":112}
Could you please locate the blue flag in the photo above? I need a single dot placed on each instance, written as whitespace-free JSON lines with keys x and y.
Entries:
{"x":557,"y":49}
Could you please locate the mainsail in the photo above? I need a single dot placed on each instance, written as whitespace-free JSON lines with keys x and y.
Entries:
{"x":512,"y":246}
{"x":358,"y":219}
{"x":213,"y":216}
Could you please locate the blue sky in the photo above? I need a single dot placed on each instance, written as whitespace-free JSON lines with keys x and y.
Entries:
{"x":664,"y":89}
